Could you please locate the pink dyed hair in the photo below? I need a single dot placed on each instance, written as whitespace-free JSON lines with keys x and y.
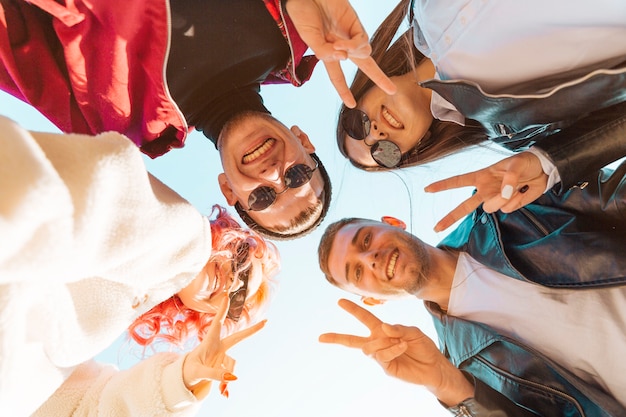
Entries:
{"x":171,"y":321}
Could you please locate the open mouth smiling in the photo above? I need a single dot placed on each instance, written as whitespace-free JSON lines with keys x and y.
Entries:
{"x":259,"y":151}
{"x":390,"y":119}
{"x":391,"y":265}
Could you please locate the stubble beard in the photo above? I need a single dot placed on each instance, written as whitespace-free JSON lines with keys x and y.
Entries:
{"x":418,"y":275}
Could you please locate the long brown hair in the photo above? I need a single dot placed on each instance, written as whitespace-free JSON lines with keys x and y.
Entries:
{"x":443,"y":138}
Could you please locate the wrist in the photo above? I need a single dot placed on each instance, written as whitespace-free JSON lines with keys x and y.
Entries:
{"x":176,"y":394}
{"x":454,"y":388}
{"x":199,"y":387}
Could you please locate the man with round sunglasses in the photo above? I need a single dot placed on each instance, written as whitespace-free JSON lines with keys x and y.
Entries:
{"x":192,"y":65}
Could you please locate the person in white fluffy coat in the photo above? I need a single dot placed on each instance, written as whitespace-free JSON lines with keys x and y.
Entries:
{"x":90,"y":244}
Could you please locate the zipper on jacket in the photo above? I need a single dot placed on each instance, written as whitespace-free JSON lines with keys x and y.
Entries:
{"x":579,"y":80}
{"x":551,"y":390}
{"x":503,"y":130}
{"x":540,"y":228}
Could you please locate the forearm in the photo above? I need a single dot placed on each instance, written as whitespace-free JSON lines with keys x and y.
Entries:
{"x":588,"y":145}
{"x":153,"y":387}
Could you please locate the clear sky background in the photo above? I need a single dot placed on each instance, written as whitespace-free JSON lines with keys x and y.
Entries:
{"x":283,"y":371}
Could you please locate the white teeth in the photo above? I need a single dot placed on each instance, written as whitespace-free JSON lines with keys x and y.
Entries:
{"x":391,"y":120}
{"x":391,"y":266}
{"x":258,"y":151}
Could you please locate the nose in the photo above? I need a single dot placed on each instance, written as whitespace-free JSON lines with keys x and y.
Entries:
{"x":375,"y":134}
{"x":272,"y":173}
{"x":371,"y":259}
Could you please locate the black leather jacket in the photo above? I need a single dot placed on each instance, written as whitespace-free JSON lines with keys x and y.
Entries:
{"x":578,"y":119}
{"x":575,"y":240}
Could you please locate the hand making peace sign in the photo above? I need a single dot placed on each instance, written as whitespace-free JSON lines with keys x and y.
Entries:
{"x":332,"y":29}
{"x":405,"y":353}
{"x":209,"y":361}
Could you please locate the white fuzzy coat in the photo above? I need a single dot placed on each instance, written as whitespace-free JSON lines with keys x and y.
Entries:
{"x":88,"y":241}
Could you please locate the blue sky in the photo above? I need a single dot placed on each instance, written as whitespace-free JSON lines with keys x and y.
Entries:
{"x":283,"y":370}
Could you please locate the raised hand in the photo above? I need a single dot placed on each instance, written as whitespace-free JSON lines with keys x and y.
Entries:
{"x":506,"y":185}
{"x":332,"y":29}
{"x":405,"y":353}
{"x":209,"y":361}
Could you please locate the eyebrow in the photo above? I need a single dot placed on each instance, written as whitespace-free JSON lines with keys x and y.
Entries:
{"x":354,"y":241}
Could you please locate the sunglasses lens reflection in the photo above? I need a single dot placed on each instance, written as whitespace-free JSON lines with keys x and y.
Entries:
{"x":386,"y":153}
{"x":238,"y":297}
{"x":356,"y":124}
{"x":261,"y":198}
{"x":298,"y":175}
{"x":237,"y":301}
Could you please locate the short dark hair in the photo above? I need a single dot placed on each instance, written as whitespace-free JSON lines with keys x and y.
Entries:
{"x":323,"y":250}
{"x":301,"y":225}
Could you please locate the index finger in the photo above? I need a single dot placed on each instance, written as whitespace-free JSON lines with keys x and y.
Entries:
{"x":347,"y":340}
{"x":361,"y":314}
{"x":463,"y":180}
{"x":338,"y":80}
{"x":460,"y":211}
{"x":373,"y":71}
{"x":237,"y":337}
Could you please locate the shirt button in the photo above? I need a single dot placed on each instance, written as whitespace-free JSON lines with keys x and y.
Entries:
{"x":483,"y":219}
{"x":448,"y":40}
{"x":463,"y":20}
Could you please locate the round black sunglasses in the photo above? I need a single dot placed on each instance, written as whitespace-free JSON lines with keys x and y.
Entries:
{"x":238,"y":297}
{"x":357,"y":125}
{"x":295,"y":177}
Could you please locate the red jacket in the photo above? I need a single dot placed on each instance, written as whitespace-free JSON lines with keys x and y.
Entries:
{"x":94,"y":66}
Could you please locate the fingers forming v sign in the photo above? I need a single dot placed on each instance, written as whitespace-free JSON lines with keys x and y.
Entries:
{"x":405,"y":353}
{"x":506,"y":185}
{"x":368,"y":319}
{"x":332,"y":29}
{"x":209,"y":361}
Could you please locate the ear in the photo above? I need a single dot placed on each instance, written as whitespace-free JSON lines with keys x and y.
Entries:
{"x":304,"y":139}
{"x":392,"y":221}
{"x":228,"y":193}
{"x":371,"y":301}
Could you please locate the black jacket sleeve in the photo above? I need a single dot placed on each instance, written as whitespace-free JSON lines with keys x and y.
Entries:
{"x":487,"y":402}
{"x":588,"y":145}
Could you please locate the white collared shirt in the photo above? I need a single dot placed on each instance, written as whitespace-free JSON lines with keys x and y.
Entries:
{"x":583,"y":330}
{"x":502,"y":43}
